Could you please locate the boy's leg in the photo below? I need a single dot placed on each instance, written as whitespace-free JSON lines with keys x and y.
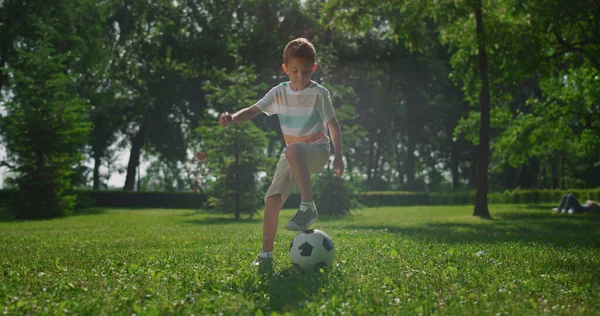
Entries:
{"x":278,"y":192}
{"x":271,"y":219}
{"x":293,"y":154}
{"x":303,"y":160}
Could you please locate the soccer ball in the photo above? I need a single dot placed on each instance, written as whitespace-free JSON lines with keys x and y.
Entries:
{"x":311,"y":250}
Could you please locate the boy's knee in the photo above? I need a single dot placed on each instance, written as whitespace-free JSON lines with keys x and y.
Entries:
{"x":292,"y":152}
{"x":274,"y":199}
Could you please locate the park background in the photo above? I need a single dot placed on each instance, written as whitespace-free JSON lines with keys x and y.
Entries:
{"x":448,"y":109}
{"x":425,"y":94}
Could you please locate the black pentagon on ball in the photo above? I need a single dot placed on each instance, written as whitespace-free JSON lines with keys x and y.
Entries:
{"x":327,"y":244}
{"x":308,"y":231}
{"x":305,"y":249}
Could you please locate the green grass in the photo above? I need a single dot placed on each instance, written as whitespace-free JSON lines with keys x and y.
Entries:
{"x":407,"y":260}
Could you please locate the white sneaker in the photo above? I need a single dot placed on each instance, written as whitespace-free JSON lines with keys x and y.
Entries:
{"x":262,"y":260}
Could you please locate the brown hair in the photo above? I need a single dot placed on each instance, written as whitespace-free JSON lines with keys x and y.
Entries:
{"x":300,"y":48}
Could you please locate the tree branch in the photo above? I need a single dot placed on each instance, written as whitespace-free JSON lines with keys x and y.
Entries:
{"x":573,"y":47}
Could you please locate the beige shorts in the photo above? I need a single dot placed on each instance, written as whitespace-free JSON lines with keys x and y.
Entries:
{"x":314,"y":154}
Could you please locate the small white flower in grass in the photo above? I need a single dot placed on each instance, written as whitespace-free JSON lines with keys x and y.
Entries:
{"x":480,"y":253}
{"x":41,"y":274}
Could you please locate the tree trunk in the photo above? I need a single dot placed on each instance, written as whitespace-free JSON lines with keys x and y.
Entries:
{"x":134,"y":158}
{"x":555,"y":161}
{"x":454,"y":160}
{"x":563,"y":184}
{"x":481,"y":205}
{"x":399,"y":164}
{"x":377,"y":159}
{"x":410,"y":164}
{"x":97,"y":163}
{"x":370,"y":163}
{"x":473,"y":167}
{"x":271,"y":147}
{"x":236,"y":186}
{"x":349,"y":167}
{"x":2,"y":64}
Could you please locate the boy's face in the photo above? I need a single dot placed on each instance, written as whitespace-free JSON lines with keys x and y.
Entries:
{"x":299,"y":70}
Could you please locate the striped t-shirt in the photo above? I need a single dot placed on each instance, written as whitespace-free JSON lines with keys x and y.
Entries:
{"x":303,"y":114}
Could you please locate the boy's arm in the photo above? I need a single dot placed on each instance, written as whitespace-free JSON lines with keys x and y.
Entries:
{"x":242,"y":115}
{"x":336,"y":137}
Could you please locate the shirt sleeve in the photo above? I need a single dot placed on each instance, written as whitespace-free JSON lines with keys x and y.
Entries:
{"x":267,"y":103}
{"x":326,"y":108}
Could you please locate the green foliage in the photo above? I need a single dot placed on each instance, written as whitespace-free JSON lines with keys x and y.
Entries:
{"x":235,"y":154}
{"x":336,"y":195}
{"x":430,"y":260}
{"x":396,"y":198}
{"x":45,"y":128}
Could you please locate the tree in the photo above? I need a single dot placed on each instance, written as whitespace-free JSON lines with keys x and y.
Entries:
{"x":236,"y":154}
{"x":481,"y":207}
{"x":45,"y":128}
{"x":461,"y":26}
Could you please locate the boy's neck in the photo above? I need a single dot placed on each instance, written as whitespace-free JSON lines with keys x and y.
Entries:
{"x":302,"y":88}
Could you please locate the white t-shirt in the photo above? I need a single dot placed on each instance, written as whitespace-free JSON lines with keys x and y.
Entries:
{"x":303,"y":115}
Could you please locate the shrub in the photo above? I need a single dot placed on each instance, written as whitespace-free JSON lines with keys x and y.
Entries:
{"x":335,"y":195}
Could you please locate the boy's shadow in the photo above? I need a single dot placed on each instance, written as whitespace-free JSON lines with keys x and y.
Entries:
{"x":289,"y":288}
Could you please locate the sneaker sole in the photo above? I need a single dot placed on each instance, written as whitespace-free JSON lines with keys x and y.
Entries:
{"x":297,"y":228}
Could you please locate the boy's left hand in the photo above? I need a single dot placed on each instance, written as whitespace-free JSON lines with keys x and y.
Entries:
{"x":338,"y":166}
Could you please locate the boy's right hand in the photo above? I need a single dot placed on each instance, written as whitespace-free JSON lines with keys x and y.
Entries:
{"x":225,"y":119}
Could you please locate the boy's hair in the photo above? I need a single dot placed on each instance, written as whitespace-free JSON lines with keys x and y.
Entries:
{"x":299,"y":48}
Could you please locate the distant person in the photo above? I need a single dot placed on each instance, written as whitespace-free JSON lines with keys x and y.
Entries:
{"x":569,"y":204}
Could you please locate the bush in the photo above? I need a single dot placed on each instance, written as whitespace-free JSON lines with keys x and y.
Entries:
{"x":335,"y":195}
{"x":184,"y":200}
{"x":399,"y":198}
{"x":341,"y":197}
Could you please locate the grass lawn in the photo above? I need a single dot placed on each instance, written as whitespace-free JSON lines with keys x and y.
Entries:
{"x":410,"y":260}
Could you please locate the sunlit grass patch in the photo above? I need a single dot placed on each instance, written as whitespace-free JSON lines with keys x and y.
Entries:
{"x":388,"y":261}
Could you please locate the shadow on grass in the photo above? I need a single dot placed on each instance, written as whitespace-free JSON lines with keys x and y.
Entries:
{"x":5,"y":216}
{"x":216,"y":218}
{"x":558,"y":230}
{"x":289,"y":287}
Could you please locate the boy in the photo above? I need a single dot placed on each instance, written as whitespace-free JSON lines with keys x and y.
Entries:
{"x":305,"y":114}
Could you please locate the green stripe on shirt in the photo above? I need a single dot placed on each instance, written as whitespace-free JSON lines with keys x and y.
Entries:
{"x":299,"y":121}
